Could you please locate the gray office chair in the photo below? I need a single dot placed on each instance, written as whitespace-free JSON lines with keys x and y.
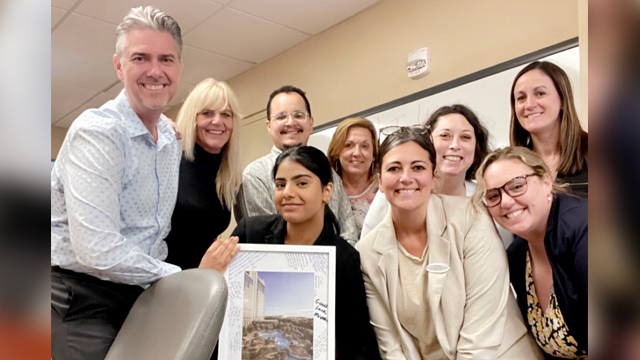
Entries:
{"x":178,"y":317}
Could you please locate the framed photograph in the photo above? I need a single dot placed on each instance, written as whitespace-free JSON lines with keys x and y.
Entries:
{"x":281,"y":304}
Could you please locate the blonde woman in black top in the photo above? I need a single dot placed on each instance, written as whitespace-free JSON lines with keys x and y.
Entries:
{"x":548,"y":258}
{"x":209,"y":121}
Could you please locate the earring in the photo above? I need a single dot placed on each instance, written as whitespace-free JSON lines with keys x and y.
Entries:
{"x":549,"y":197}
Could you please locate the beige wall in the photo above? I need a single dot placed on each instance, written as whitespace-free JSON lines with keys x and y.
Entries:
{"x":583,"y":14}
{"x":360,"y":63}
{"x":57,"y":137}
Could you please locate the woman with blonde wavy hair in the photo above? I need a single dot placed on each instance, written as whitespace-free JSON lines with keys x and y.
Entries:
{"x":209,"y":121}
{"x":548,"y":258}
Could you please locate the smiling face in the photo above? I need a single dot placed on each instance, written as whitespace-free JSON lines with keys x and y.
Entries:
{"x":455,"y":143}
{"x":214,"y":129}
{"x":357,"y":154}
{"x":537,"y":102}
{"x":525,"y":215}
{"x":406,"y":177}
{"x":150,"y":69}
{"x":299,"y":195}
{"x":289,"y":132}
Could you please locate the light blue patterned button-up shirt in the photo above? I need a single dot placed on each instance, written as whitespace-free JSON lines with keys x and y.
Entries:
{"x":112,"y":194}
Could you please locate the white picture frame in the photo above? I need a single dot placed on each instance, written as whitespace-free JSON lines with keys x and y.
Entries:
{"x":280,"y":296}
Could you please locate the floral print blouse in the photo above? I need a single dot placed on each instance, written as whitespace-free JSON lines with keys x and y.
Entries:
{"x":548,"y":327}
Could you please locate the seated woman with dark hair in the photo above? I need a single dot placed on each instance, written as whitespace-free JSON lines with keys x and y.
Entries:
{"x":302,"y":189}
{"x":548,"y":260}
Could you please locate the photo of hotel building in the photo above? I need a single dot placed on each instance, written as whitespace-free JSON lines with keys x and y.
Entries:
{"x":253,"y":308}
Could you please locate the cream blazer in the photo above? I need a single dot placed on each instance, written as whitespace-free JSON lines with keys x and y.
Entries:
{"x":472,"y":307}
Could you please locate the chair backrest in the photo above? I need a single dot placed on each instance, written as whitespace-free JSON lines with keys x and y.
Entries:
{"x":178,"y":317}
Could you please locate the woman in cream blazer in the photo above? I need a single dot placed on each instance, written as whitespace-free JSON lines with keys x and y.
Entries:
{"x":469,"y":306}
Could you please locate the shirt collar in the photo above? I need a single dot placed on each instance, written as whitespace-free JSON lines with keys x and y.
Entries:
{"x":136,"y":127}
{"x":131,"y":120}
{"x":553,"y":214}
{"x":275,"y":151}
{"x":279,"y":232}
{"x":166,"y":134}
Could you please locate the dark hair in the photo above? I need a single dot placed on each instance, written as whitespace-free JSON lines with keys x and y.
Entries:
{"x":287,"y":89}
{"x":481,"y":133}
{"x":315,"y":161}
{"x":405,"y":135}
{"x":572,"y":140}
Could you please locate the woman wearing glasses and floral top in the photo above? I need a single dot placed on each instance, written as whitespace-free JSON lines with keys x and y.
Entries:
{"x":548,"y":257}
{"x":435,"y":270}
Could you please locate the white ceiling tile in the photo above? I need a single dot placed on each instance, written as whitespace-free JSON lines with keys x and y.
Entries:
{"x":65,"y":99}
{"x":223,"y":45}
{"x":200,"y":64}
{"x":63,"y":4}
{"x":99,"y":100}
{"x":310,"y":17}
{"x":243,"y":36}
{"x":66,"y":121}
{"x":85,"y":37}
{"x":91,"y":104}
{"x":80,"y":72}
{"x":183,"y":91}
{"x":56,"y":15}
{"x":115,"y":90}
{"x":188,"y":13}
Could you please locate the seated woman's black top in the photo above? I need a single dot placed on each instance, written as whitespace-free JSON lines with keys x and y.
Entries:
{"x":566,"y":244}
{"x":578,"y":182}
{"x":355,"y":338}
{"x":198,"y":217}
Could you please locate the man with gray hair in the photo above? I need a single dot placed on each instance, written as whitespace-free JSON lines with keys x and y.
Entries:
{"x":113,"y":190}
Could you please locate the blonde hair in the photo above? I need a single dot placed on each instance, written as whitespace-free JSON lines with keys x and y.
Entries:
{"x":524,"y":155}
{"x":214,"y":95}
{"x":340,"y":138}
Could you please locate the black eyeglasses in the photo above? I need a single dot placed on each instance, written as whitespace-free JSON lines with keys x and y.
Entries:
{"x":514,"y":188}
{"x":419,"y":128}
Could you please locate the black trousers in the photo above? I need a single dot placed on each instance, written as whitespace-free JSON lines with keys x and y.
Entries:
{"x":86,"y":314}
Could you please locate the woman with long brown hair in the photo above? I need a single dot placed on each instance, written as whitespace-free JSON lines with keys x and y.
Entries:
{"x":544,"y":119}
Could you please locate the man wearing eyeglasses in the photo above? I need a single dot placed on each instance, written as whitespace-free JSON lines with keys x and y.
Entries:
{"x":289,"y":122}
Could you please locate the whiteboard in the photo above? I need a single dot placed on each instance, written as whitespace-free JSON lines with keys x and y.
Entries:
{"x":485,"y":92}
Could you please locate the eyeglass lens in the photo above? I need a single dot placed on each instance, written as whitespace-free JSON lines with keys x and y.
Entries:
{"x":296,"y":115}
{"x":514,"y":187}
